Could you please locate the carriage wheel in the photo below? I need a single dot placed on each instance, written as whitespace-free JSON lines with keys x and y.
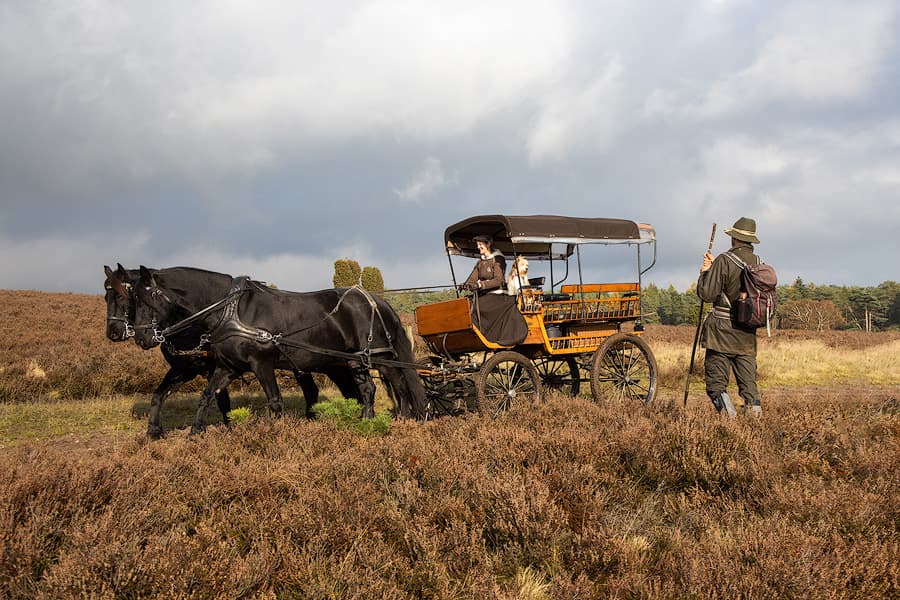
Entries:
{"x":624,"y":368}
{"x":506,"y":377}
{"x":560,"y":374}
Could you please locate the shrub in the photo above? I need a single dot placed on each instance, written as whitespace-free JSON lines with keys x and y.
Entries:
{"x":372,"y":280}
{"x":346,"y":272}
{"x":346,"y":414}
{"x":239,"y":415}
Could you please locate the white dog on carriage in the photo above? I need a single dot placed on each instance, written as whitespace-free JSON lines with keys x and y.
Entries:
{"x":518,"y":276}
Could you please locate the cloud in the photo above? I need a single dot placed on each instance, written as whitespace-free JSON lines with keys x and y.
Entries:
{"x":61,"y":263}
{"x":426,"y":181}
{"x":572,"y":116}
{"x":215,"y":88}
{"x":225,"y":131}
{"x":814,"y":192}
{"x":813,"y":52}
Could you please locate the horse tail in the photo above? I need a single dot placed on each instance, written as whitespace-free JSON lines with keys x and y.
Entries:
{"x":404,"y":383}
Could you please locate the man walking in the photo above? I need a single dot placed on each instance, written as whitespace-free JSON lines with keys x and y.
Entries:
{"x":729,"y":346}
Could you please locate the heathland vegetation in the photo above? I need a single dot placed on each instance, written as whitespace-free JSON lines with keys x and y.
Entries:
{"x":568,"y":499}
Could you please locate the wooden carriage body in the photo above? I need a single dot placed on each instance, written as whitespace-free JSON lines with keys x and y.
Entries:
{"x":575,"y":330}
{"x":575,"y":321}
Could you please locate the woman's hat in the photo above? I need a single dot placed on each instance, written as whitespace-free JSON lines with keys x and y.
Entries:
{"x":744,"y":229}
{"x":483,"y":238}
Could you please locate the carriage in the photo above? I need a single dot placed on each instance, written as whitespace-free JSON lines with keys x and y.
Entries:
{"x":577,"y":331}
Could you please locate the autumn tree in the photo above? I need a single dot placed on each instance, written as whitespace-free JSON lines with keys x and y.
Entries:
{"x":818,"y":315}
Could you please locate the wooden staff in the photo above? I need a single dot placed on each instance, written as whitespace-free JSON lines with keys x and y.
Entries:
{"x":687,"y":380}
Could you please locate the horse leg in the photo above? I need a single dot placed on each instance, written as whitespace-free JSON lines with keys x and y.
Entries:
{"x":265,"y":374}
{"x":310,"y":391}
{"x":363,"y":380}
{"x":218,"y":381}
{"x":173,"y":380}
{"x":223,"y":401}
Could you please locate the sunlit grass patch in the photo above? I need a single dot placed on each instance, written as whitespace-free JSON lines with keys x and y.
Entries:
{"x":794,"y":362}
{"x":48,"y":420}
{"x":805,"y":362}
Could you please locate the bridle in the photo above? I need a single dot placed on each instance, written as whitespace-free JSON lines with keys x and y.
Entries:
{"x":123,"y":290}
{"x":158,"y":336}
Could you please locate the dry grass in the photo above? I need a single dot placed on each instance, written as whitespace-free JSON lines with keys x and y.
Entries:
{"x":568,"y":499}
{"x":789,"y":358}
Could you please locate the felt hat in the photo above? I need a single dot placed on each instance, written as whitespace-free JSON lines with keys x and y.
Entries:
{"x":483,"y":238}
{"x":744,"y":229}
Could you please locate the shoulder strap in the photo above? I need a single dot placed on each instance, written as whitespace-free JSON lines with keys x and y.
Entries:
{"x":735,"y":259}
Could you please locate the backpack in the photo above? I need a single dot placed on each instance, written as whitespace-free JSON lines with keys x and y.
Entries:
{"x":759,"y":298}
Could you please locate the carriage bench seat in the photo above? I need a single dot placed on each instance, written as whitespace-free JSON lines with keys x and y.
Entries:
{"x":594,"y":302}
{"x":625,"y":289}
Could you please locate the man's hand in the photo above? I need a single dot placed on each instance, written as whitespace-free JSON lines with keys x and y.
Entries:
{"x":707,"y":262}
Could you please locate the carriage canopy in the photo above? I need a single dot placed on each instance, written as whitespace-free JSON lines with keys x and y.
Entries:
{"x":543,"y":236}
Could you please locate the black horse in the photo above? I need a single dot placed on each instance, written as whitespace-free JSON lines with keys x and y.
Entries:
{"x":252,"y":327}
{"x":186,"y":354}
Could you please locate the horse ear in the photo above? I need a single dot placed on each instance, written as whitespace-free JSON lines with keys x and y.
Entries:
{"x":147,"y":276}
{"x":116,"y":281}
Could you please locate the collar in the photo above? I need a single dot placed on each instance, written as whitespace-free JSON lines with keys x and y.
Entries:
{"x":493,"y":254}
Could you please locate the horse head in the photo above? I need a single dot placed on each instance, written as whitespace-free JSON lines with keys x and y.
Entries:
{"x":119,"y":304}
{"x":155,"y":308}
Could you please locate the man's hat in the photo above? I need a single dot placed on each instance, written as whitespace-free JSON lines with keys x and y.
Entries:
{"x":483,"y":238}
{"x":744,"y":229}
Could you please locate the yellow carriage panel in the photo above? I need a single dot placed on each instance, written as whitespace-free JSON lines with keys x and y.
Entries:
{"x":447,"y":326}
{"x":444,"y":317}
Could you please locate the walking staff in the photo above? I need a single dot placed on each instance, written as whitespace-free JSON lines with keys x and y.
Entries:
{"x":687,"y":381}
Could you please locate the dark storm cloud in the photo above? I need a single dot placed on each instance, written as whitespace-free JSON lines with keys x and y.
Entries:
{"x":273,"y":138}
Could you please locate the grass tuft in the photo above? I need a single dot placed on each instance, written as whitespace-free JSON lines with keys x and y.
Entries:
{"x":346,"y":414}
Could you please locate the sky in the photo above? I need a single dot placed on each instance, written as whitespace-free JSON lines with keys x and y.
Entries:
{"x":270,"y":138}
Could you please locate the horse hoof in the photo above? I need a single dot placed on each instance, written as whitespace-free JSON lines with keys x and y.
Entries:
{"x":155,"y":434}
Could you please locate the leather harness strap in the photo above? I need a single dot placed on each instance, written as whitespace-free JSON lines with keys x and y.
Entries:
{"x":230,"y":325}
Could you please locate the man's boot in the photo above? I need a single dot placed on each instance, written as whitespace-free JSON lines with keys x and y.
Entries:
{"x":722,"y":401}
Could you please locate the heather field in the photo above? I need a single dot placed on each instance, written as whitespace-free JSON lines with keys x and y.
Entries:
{"x":568,"y":499}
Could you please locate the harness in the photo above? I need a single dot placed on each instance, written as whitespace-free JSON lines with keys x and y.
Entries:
{"x":231,"y":325}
